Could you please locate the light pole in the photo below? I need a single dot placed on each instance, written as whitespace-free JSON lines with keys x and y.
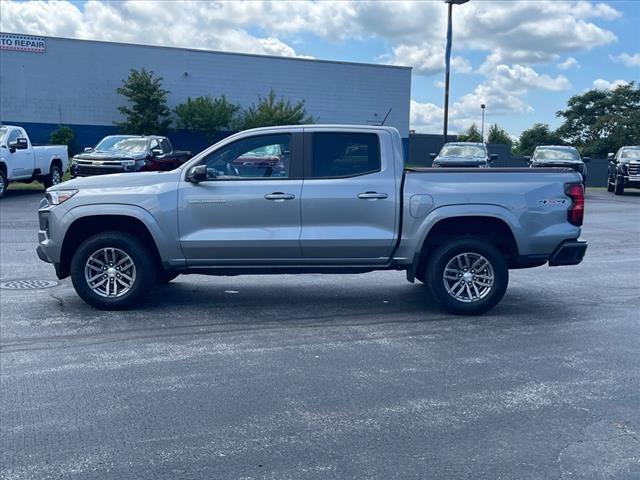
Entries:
{"x":482,"y":105}
{"x":447,"y":64}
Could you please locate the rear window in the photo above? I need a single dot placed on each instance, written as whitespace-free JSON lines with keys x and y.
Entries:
{"x":345,"y":154}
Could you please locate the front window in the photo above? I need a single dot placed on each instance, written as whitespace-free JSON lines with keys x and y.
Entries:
{"x":464,"y":151}
{"x":265,"y":156}
{"x":557,"y":154}
{"x":3,"y":132}
{"x":630,"y":153}
{"x":124,"y":145}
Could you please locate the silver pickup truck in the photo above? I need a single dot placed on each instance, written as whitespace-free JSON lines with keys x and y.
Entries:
{"x":311,"y":199}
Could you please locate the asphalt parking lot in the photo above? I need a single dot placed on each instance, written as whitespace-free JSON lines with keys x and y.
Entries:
{"x":299,"y":377}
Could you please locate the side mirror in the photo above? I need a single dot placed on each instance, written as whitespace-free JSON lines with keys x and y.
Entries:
{"x":156,"y":152}
{"x":611,"y":157}
{"x":18,"y":144}
{"x":586,"y":159}
{"x":433,"y":155}
{"x":527,"y":158}
{"x":197,"y":174}
{"x":493,"y":157}
{"x":88,"y":149}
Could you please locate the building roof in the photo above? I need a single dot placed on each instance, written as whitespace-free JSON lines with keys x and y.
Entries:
{"x":218,"y":52}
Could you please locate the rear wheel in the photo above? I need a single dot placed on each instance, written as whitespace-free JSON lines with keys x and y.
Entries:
{"x":54,"y":177}
{"x":468,"y":276}
{"x":618,"y":188}
{"x":112,"y":271}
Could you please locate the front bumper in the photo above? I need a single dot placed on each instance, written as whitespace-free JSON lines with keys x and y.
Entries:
{"x":570,"y":252}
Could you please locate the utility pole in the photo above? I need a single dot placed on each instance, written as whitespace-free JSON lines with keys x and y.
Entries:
{"x":447,"y":64}
{"x":482,"y":105}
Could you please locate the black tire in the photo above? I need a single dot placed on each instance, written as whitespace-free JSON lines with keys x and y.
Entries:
{"x":448,"y":251}
{"x":54,"y":177}
{"x":610,"y":185}
{"x":618,"y":188}
{"x":145,"y":270}
{"x":165,"y":276}
{"x":3,"y":183}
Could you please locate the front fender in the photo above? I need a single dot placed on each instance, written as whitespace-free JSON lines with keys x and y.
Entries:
{"x":166,"y":239}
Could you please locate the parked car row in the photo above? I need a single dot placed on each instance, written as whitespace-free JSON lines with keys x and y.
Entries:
{"x":471,"y":154}
{"x":21,"y":161}
{"x":624,"y":169}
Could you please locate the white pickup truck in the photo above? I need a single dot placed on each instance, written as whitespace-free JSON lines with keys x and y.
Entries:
{"x":20,"y":161}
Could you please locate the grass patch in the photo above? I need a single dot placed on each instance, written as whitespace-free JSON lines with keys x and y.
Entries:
{"x":35,"y":185}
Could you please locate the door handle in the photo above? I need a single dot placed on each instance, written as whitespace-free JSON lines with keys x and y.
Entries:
{"x":279,"y":196}
{"x":372,"y":195}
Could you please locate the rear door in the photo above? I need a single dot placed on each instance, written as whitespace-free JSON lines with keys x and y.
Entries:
{"x":248,"y":210}
{"x":349,"y":199}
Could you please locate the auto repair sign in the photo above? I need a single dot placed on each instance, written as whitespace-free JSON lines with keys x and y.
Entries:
{"x":22,"y":43}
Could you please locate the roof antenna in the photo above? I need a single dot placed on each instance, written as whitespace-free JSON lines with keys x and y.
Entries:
{"x":385,"y":117}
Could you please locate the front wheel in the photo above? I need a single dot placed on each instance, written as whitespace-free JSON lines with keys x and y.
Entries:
{"x":3,"y":183}
{"x":112,"y":271}
{"x":467,"y":276}
{"x":618,"y":188}
{"x":610,"y":185}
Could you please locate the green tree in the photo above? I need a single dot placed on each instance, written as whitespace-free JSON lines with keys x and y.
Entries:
{"x":539,"y":134}
{"x":601,"y":121}
{"x":471,"y":134}
{"x":498,"y":135}
{"x":207,"y":115}
{"x":63,"y":135}
{"x":147,"y":112}
{"x":271,"y":111}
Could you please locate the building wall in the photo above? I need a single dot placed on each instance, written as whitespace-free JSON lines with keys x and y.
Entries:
{"x":74,"y":82}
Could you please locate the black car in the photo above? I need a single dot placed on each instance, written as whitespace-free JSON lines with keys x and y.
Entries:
{"x":624,"y":169}
{"x":463,"y":154}
{"x":128,"y":153}
{"x":559,"y":156}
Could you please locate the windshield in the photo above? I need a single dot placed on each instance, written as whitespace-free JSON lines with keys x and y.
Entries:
{"x":631,"y":153}
{"x":557,"y":154}
{"x":469,"y":151}
{"x":128,"y":145}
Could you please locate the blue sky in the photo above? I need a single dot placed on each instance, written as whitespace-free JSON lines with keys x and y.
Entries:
{"x":523,"y":59}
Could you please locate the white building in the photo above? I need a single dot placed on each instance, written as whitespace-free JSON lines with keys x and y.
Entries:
{"x":52,"y":81}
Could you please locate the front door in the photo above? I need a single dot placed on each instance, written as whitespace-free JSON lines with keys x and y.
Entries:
{"x":349,"y":198}
{"x":248,"y":209}
{"x":21,"y":161}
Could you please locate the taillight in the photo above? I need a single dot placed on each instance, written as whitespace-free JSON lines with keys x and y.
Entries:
{"x":575,"y":191}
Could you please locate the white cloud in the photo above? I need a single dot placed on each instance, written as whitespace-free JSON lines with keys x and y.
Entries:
{"x":570,"y":62}
{"x":426,"y":117}
{"x":602,"y":84}
{"x":628,"y":60}
{"x":425,"y":59}
{"x":181,"y":24}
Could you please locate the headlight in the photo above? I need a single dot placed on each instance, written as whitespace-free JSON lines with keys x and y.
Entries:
{"x":56,"y":197}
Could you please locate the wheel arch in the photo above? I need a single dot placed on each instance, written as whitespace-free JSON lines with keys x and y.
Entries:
{"x":489,"y":227}
{"x":86,"y":226}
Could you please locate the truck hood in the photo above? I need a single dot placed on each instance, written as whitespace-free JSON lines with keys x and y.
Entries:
{"x":559,"y":163}
{"x":119,"y":180}
{"x":109,"y":156}
{"x":459,"y":161}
